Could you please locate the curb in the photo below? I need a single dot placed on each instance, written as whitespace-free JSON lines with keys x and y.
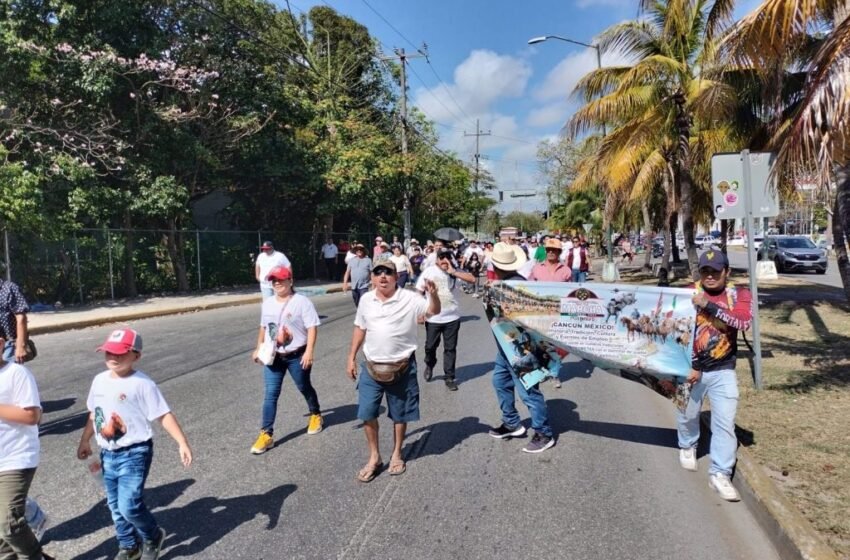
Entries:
{"x":791,"y":534}
{"x":122,"y":317}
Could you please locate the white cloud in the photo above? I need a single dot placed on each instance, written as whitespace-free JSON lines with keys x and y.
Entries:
{"x":604,"y":3}
{"x":479,"y":81}
{"x":548,"y":115}
{"x":562,"y":79}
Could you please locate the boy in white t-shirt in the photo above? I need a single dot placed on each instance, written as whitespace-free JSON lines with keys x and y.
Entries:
{"x":20,"y":412}
{"x":122,"y":403}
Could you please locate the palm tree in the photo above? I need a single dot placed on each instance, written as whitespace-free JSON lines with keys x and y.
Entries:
{"x":661,"y":106}
{"x":810,"y":120}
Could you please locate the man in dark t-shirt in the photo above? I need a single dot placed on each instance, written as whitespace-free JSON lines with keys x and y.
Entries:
{"x":13,"y":322}
{"x":722,"y":310}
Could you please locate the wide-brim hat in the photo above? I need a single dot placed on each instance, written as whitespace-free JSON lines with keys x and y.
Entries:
{"x":509,"y":258}
{"x":358,"y":247}
{"x":553,"y":243}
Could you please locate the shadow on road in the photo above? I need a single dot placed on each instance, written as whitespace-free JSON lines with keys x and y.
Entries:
{"x":98,"y":516}
{"x":57,"y":405}
{"x":441,"y":437}
{"x":193,"y":528}
{"x":564,"y":418}
{"x":471,"y":371}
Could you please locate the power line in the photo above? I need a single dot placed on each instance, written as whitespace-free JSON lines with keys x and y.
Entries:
{"x":393,"y":27}
{"x":448,"y":90}
{"x":452,"y":113}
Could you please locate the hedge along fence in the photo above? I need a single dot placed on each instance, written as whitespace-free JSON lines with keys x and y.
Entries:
{"x":90,"y":265}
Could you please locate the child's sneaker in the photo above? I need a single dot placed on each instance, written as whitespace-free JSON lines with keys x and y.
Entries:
{"x":264,"y":442}
{"x":150,"y":549}
{"x":314,"y":426}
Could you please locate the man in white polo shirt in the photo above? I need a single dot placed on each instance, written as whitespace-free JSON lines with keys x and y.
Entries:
{"x":267,"y":260}
{"x":386,"y":326}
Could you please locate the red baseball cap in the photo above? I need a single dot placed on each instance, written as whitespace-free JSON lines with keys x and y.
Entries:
{"x":122,"y":341}
{"x":280,"y":273}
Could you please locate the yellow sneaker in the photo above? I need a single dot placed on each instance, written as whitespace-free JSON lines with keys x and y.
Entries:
{"x":314,"y":426}
{"x":264,"y":442}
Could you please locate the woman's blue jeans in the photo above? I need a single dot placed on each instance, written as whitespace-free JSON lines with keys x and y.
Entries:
{"x":124,"y":475}
{"x":273,"y":377}
{"x":505,"y":381}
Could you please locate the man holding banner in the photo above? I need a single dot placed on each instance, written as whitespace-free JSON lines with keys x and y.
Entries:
{"x":722,"y":310}
{"x":507,"y":259}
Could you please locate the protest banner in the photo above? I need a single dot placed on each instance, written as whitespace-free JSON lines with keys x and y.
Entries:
{"x":644,"y":330}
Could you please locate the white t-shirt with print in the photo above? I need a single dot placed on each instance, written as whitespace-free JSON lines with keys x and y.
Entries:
{"x":19,"y":446}
{"x":300,"y":315}
{"x":268,"y":262}
{"x":446,"y":290}
{"x":124,"y":408}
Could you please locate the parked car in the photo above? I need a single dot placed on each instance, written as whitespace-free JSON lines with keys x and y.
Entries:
{"x":757,"y":241}
{"x":793,"y":252}
{"x":737,"y":241}
{"x":706,"y":241}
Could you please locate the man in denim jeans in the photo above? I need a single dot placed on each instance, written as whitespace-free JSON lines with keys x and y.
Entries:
{"x":723,"y":309}
{"x":507,"y":259}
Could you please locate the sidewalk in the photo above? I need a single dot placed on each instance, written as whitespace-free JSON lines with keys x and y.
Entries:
{"x":123,"y":310}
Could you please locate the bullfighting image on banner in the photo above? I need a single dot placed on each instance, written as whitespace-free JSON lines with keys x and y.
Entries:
{"x":645,"y":330}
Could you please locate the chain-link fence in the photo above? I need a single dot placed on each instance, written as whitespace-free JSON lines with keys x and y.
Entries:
{"x":101,"y":264}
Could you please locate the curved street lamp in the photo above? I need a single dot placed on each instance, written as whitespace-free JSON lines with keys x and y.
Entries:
{"x":536,"y":40}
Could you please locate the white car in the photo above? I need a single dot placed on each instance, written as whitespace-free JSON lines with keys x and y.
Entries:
{"x":737,"y":241}
{"x":705,"y":241}
{"x":757,"y":241}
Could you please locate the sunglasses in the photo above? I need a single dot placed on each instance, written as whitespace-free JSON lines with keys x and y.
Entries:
{"x":552,"y":250}
{"x":710,"y":272}
{"x":382,"y":272}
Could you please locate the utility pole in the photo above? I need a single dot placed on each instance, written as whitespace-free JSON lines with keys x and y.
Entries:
{"x":478,"y":134}
{"x":402,"y":57}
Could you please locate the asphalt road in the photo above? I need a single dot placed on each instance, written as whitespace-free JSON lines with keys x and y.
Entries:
{"x":611,"y":488}
{"x":738,"y":259}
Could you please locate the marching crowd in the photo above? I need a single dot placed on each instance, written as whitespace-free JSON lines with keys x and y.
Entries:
{"x":123,"y":402}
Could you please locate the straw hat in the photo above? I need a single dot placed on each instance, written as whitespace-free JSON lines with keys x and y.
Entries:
{"x":553,"y":243}
{"x":508,"y":257}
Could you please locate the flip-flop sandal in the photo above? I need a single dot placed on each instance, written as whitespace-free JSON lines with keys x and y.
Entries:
{"x":369,"y":472}
{"x":397,"y":468}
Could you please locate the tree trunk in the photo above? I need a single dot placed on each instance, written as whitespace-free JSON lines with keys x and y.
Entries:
{"x":176,"y":252}
{"x":683,"y":160}
{"x":129,"y":252}
{"x":669,"y":219}
{"x":647,"y":227}
{"x":841,"y":225}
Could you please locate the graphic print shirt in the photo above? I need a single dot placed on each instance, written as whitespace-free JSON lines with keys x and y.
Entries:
{"x":446,"y":290}
{"x":717,"y":326}
{"x":124,"y":408}
{"x":300,"y":314}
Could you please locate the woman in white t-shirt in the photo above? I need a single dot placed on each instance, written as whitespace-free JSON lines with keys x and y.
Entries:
{"x":402,"y":265}
{"x":289,"y":320}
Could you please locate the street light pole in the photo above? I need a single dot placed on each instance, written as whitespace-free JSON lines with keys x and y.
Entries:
{"x":610,"y":270}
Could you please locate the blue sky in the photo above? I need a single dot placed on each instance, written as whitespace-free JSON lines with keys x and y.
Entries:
{"x":482,"y":68}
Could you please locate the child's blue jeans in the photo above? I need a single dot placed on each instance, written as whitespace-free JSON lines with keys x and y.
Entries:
{"x":124,"y":475}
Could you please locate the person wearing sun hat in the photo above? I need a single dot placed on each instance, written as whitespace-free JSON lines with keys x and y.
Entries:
{"x":506,"y":264}
{"x":551,"y":269}
{"x":357,"y":273}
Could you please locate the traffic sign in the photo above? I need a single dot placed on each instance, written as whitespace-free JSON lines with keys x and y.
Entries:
{"x":728,"y":188}
{"x":587,"y":227}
